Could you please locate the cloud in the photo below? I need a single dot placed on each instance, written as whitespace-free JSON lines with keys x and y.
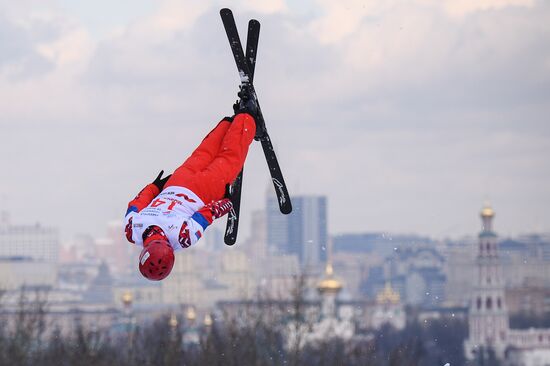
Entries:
{"x":18,"y":57}
{"x":343,"y":19}
{"x":465,"y":7}
{"x":43,"y":56}
{"x":71,"y":48}
{"x":172,"y":15}
{"x":401,"y":113}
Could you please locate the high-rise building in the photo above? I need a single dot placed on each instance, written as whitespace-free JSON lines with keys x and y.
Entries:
{"x":30,"y":241}
{"x":256,"y":243}
{"x":302,"y":233}
{"x":277,"y":227}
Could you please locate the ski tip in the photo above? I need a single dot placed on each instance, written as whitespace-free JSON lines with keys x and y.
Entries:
{"x":254,"y":25}
{"x":230,"y":241}
{"x":225,"y":11}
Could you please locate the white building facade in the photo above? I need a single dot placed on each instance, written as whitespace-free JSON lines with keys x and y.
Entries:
{"x":30,"y":241}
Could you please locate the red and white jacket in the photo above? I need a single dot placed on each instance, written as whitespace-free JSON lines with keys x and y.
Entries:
{"x":179,"y":212}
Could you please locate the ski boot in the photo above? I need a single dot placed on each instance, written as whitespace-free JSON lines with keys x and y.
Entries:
{"x":248,"y":104}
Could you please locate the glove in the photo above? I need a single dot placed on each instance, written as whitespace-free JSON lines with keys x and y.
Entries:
{"x":247,"y":104}
{"x":212,"y":211}
{"x":220,"y":208}
{"x":160,"y":182}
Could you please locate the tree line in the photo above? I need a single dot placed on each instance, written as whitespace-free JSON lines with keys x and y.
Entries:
{"x":250,"y":338}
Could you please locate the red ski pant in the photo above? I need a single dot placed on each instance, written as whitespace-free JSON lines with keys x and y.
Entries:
{"x":218,"y":160}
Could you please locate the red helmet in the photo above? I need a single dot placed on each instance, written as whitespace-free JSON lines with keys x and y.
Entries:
{"x":156,"y":260}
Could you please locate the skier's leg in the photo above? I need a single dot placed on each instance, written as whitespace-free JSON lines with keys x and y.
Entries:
{"x":202,"y":156}
{"x":209,"y":184}
{"x":208,"y":148}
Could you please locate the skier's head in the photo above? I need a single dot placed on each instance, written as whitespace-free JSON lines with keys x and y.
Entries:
{"x":156,"y":260}
{"x":157,"y":257}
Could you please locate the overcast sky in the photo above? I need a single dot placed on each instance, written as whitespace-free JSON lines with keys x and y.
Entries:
{"x":407,"y":115}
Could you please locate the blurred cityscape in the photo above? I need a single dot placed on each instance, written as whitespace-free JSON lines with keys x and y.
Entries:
{"x":351,"y":284}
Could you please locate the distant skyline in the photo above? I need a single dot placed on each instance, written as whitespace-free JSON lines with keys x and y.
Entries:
{"x":408,"y":117}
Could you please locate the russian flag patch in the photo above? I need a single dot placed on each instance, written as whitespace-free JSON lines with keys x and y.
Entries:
{"x":198,"y":235}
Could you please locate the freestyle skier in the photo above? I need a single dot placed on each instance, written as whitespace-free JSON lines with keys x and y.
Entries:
{"x":173,"y":212}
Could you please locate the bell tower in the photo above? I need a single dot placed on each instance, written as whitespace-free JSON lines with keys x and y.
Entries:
{"x":488,"y":317}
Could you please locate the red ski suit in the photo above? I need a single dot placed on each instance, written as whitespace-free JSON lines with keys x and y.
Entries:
{"x":217,"y":160}
{"x":201,"y":179}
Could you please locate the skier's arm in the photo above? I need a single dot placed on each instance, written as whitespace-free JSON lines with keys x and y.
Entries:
{"x":193,"y":229}
{"x":142,"y":200}
{"x":146,"y":195}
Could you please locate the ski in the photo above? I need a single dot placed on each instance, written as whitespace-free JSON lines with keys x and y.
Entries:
{"x":232,"y":225}
{"x":281,"y":190}
{"x":252,"y":46}
{"x":285,"y":206}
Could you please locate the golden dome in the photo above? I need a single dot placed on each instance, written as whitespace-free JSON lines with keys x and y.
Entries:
{"x":329,"y":283}
{"x":173,"y":322}
{"x":191,"y":314}
{"x":388,"y":295}
{"x":487,"y":211}
{"x":207,"y":320}
{"x":127,"y":298}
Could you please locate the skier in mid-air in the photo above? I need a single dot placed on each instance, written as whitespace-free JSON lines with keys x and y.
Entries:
{"x":172,"y":213}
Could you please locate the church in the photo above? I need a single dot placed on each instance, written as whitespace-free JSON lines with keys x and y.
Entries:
{"x":488,"y":322}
